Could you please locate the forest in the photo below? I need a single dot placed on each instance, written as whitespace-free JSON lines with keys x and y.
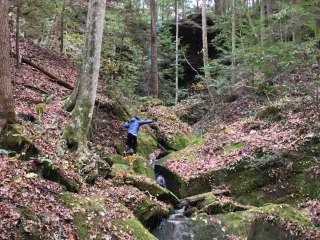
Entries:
{"x":160,"y":119}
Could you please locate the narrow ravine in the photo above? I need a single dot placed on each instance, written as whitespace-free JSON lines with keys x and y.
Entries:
{"x":179,"y":226}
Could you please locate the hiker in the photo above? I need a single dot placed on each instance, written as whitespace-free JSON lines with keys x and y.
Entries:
{"x":133,"y":129}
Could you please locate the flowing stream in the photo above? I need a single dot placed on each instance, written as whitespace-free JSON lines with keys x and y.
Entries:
{"x":180,"y":227}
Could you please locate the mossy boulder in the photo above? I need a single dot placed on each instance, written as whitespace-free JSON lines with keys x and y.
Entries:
{"x":262,"y":229}
{"x":121,"y":169}
{"x":171,"y":141}
{"x":134,"y":227}
{"x":169,"y":131}
{"x":277,"y":177}
{"x":183,"y":188}
{"x":147,"y":143}
{"x":132,"y":164}
{"x":152,"y":188}
{"x":149,"y":211}
{"x":93,"y":205}
{"x":12,"y":139}
{"x":241,"y":223}
{"x":177,"y":184}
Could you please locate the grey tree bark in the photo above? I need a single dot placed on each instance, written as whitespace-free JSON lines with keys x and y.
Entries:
{"x":177,"y":51}
{"x":154,"y":81}
{"x":233,"y":20}
{"x":18,"y":6}
{"x":205,"y":47}
{"x":77,"y":129}
{"x":262,"y":19}
{"x":7,"y":110}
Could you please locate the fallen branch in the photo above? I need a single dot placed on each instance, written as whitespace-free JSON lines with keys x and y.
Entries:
{"x":193,"y":200}
{"x":35,"y":88}
{"x":51,"y":76}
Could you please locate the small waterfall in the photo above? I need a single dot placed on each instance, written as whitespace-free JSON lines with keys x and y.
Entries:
{"x":158,"y":177}
{"x":176,"y":227}
{"x":179,"y":227}
{"x":161,"y":181}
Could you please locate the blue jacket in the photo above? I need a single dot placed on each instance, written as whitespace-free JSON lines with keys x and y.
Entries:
{"x":134,"y":125}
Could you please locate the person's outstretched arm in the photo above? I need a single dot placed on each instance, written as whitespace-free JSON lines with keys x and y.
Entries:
{"x":126,"y":125}
{"x":146,"y":121}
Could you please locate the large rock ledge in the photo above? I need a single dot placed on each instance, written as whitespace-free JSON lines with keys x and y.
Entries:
{"x":276,"y":177}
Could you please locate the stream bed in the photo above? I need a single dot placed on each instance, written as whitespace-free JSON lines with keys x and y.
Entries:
{"x":180,"y":227}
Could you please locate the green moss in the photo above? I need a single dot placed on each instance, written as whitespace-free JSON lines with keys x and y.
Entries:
{"x":13,"y":140}
{"x":116,"y":158}
{"x":134,"y":228}
{"x":146,"y":185}
{"x":180,"y":141}
{"x":70,"y":200}
{"x":27,"y":213}
{"x":231,"y":148}
{"x":198,"y":141}
{"x":133,"y":164}
{"x":120,"y":169}
{"x":239,"y":223}
{"x":146,"y":143}
{"x":209,"y":199}
{"x":94,"y":203}
{"x":81,"y":228}
{"x":142,"y":167}
{"x":150,"y":213}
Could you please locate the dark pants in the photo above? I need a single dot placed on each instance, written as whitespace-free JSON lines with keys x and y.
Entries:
{"x":132,"y":142}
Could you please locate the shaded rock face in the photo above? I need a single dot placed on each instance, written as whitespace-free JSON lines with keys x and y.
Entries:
{"x":272,"y":221}
{"x":262,"y":230}
{"x":276,"y":177}
{"x":190,"y":35}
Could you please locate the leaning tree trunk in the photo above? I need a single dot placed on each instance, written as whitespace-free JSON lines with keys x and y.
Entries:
{"x":205,"y":46}
{"x":77,"y":130}
{"x":154,"y":81}
{"x":7,"y":113}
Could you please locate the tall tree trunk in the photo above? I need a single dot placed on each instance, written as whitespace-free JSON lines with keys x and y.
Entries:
{"x":217,"y":7}
{"x":7,"y":112}
{"x":262,"y":19}
{"x":205,"y":46}
{"x":77,"y":129}
{"x":177,"y":51}
{"x":154,"y":81}
{"x":233,"y":20}
{"x":18,"y":34}
{"x":62,"y":27}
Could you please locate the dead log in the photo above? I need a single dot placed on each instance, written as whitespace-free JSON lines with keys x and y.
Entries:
{"x":35,"y":88}
{"x":52,"y":77}
{"x":55,"y":174}
{"x":193,"y":200}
